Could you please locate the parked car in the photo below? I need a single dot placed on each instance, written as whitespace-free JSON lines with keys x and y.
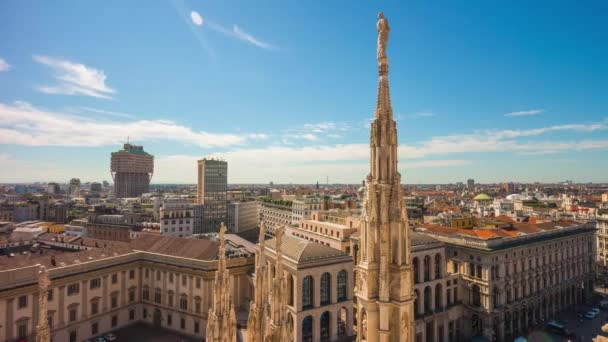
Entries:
{"x":596,"y":310}
{"x":100,"y":339}
{"x":590,"y":315}
{"x":110,"y":337}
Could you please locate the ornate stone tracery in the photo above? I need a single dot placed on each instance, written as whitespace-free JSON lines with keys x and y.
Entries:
{"x":384,"y":281}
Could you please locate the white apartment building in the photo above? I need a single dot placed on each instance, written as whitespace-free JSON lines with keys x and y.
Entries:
{"x":302,"y":208}
{"x":176,"y":217}
{"x":243,"y":216}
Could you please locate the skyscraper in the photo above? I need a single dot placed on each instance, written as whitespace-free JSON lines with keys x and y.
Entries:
{"x":211,"y":195}
{"x":384,"y":282}
{"x":471,"y":184}
{"x":131,"y":169}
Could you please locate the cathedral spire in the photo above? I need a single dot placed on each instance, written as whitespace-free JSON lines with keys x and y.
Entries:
{"x":221,"y":321}
{"x":384,"y":281}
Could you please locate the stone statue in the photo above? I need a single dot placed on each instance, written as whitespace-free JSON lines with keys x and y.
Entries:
{"x":404,"y":325}
{"x":383,"y":30}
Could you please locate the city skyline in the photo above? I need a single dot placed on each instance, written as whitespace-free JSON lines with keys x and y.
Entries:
{"x":483,"y":91}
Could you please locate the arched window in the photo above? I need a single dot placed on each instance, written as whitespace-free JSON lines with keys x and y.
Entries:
{"x":495,"y":298}
{"x":427,"y":299}
{"x":437,"y":266}
{"x":324,"y":322}
{"x":479,"y":271}
{"x":146,"y":293}
{"x":183,"y":302}
{"x":325,"y":288}
{"x":415,"y":262}
{"x":342,"y":286}
{"x":438,"y":297}
{"x":307,"y":293}
{"x":307,"y":329}
{"x":427,"y":268}
{"x":170,"y":295}
{"x":416,"y":303}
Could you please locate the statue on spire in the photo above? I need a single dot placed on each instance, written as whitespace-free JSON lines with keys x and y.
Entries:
{"x":383,"y":30}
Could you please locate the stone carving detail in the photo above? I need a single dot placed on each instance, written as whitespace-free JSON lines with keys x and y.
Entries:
{"x":381,"y":276}
{"x":43,"y":333}
{"x":221,"y":321}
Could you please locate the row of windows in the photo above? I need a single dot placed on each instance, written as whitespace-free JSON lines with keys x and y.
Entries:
{"x":325,"y":289}
{"x":322,"y":230}
{"x":184,"y":277}
{"x":179,"y":221}
{"x":183,"y":299}
{"x":438,"y":263}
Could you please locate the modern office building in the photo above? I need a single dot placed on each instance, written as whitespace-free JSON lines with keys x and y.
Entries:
{"x":243,"y":216}
{"x":74,"y":187}
{"x":212,"y":194}
{"x":132,"y":170}
{"x":471,"y":184}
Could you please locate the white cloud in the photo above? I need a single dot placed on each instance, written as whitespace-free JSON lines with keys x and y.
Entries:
{"x":317,"y":131}
{"x":244,"y":36}
{"x":4,"y":66}
{"x":74,"y":79}
{"x":196,"y":18}
{"x":419,"y":115}
{"x":23,"y":124}
{"x":526,"y":112}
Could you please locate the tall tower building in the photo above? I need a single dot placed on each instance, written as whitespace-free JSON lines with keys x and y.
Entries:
{"x":384,"y":283}
{"x":471,"y":184}
{"x":212,"y":195}
{"x":131,"y":169}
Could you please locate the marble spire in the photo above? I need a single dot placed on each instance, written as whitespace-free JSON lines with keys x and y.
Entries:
{"x":384,"y":274}
{"x":43,"y":332}
{"x":221,"y":321}
{"x":256,"y":319}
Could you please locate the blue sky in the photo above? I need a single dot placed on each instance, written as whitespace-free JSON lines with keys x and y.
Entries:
{"x":496,"y":91}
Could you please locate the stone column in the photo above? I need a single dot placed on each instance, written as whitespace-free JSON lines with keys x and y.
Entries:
{"x":104,"y":290}
{"x":84,"y":300}
{"x":333,"y":324}
{"x":9,"y":318}
{"x":123,"y":288}
{"x":297,"y":326}
{"x":190,"y":295}
{"x":316,"y":285}
{"x":316,"y":328}
{"x":61,"y":305}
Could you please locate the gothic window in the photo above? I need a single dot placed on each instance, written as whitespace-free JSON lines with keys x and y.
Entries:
{"x":307,"y":293}
{"x":325,"y":288}
{"x":341,"y":286}
{"x":324,"y":321}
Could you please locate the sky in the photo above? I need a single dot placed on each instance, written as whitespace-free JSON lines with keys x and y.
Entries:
{"x":285,"y":90}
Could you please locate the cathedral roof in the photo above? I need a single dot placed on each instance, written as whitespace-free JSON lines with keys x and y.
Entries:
{"x":300,"y":250}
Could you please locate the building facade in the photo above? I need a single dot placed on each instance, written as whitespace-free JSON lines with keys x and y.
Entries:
{"x":303,"y":207}
{"x":332,"y":228}
{"x":132,"y":170}
{"x":162,"y":281}
{"x":176,"y":217}
{"x":212,"y":194}
{"x":602,"y":243}
{"x":275,"y":215}
{"x":243,"y":216}
{"x":511,"y":278}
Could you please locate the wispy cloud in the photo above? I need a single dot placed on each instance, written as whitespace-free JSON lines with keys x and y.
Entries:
{"x":24,"y":124}
{"x":317,"y":131}
{"x":526,"y":112}
{"x":417,"y":115}
{"x":101,"y":111}
{"x":74,"y":78}
{"x":236,"y":32}
{"x":4,"y":66}
{"x":247,"y":37}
